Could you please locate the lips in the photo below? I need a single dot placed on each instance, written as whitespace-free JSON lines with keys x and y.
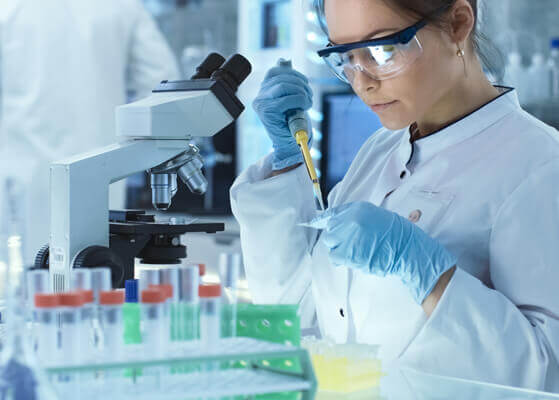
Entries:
{"x":382,"y":106}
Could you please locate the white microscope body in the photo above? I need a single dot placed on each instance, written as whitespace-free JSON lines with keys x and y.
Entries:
{"x":154,"y":135}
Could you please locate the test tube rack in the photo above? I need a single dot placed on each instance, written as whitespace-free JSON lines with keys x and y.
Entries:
{"x":154,"y":377}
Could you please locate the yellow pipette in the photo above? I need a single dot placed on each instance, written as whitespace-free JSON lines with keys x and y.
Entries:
{"x":298,"y":125}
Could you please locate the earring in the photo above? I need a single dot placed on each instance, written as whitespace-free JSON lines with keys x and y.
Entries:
{"x":460,"y":53}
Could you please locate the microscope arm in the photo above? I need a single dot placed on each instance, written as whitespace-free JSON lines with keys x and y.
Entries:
{"x":80,"y":196}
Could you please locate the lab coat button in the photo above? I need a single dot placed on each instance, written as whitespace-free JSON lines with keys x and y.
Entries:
{"x":342,"y":312}
{"x":403,"y":175}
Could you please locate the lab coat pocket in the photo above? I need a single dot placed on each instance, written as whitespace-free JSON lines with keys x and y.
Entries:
{"x":425,"y":207}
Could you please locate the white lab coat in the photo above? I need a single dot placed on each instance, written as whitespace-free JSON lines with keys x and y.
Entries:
{"x":64,"y":67}
{"x":487,"y":188}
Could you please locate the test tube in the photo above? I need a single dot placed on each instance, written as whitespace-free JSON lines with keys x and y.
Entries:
{"x":112,"y":323}
{"x":131,"y":313}
{"x":82,"y":282}
{"x":229,"y":270}
{"x":154,"y":336}
{"x":148,"y":276}
{"x":100,"y":282}
{"x":210,"y":316}
{"x":170,"y":276}
{"x":70,"y":316}
{"x":188,"y":318}
{"x":37,"y":282}
{"x":168,"y":292}
{"x":46,"y":318}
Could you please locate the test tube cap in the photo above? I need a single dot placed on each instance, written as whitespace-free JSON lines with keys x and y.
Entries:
{"x":165,"y":288}
{"x":229,"y":269}
{"x":189,"y":280}
{"x":88,"y":296}
{"x":209,"y":290}
{"x":71,"y":299}
{"x":47,"y":300}
{"x":100,"y":281}
{"x":81,"y":279}
{"x":37,"y":282}
{"x":153,"y":296}
{"x":170,"y":276}
{"x":111,"y":297}
{"x":131,"y":291}
{"x":148,"y":276}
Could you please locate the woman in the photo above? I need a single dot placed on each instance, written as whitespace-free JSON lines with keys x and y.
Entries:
{"x":470,"y":289}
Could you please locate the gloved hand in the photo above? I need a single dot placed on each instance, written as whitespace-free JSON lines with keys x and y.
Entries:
{"x":282,"y":90}
{"x":369,"y":238}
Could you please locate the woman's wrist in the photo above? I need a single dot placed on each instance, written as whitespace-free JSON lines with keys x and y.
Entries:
{"x":431,"y":301}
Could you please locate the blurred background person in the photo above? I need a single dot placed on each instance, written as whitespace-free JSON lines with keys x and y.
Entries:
{"x":64,"y":67}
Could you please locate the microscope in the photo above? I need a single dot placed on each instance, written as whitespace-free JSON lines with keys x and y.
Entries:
{"x":155,"y":135}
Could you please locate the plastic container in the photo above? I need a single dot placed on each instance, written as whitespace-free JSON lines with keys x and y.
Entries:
{"x":554,"y":67}
{"x":155,"y":337}
{"x":37,"y":282}
{"x":168,"y":293}
{"x":148,"y":276}
{"x":71,"y":326}
{"x":229,"y":271}
{"x":516,"y":76}
{"x":46,"y":319}
{"x":112,"y":323}
{"x":100,"y":281}
{"x":210,"y":315}
{"x":187,"y":316}
{"x":131,"y":313}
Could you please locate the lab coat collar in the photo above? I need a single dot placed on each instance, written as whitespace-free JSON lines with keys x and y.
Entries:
{"x":477,"y":121}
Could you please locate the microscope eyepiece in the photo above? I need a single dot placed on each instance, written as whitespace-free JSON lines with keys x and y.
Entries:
{"x":234,"y":71}
{"x":208,"y":66}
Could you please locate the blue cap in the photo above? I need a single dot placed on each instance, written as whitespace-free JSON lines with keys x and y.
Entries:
{"x":555,"y":43}
{"x":131,"y":291}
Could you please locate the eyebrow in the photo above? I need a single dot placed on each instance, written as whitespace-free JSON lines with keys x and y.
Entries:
{"x":370,"y":35}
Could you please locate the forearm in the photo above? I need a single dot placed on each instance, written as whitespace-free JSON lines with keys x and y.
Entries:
{"x":431,"y":301}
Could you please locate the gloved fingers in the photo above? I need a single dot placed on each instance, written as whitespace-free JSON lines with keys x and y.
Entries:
{"x":285,"y":89}
{"x":338,"y":231}
{"x":286,"y":103}
{"x":277,"y":71}
{"x":286,"y":79}
{"x":337,"y":256}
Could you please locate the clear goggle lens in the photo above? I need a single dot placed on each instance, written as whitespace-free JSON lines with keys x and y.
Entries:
{"x":379,"y":62}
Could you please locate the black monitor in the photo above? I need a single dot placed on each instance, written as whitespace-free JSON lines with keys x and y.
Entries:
{"x":347,"y":124}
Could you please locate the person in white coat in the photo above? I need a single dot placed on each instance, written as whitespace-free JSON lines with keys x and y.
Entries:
{"x":64,"y":67}
{"x":469,"y":288}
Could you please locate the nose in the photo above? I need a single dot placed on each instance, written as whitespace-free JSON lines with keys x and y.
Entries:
{"x":363,"y":81}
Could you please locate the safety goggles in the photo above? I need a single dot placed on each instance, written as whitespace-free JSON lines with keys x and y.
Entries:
{"x":381,"y":58}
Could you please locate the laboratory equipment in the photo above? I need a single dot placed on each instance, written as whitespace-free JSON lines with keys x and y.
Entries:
{"x":37,"y":282}
{"x":170,"y":276}
{"x":188,"y":307}
{"x":229,"y":271}
{"x":155,"y":334}
{"x":156,"y":134}
{"x":111,"y":303}
{"x":539,"y":77}
{"x":344,"y":368}
{"x":71,"y":326}
{"x":148,"y":277}
{"x":298,"y":126}
{"x":554,"y":66}
{"x":100,"y":281}
{"x":46,"y":320}
{"x":21,"y":377}
{"x":131,"y":313}
{"x":210,"y":316}
{"x":167,"y":291}
{"x":343,"y":112}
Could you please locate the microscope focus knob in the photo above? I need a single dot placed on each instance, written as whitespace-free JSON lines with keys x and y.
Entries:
{"x":42,"y":258}
{"x":100,"y":256}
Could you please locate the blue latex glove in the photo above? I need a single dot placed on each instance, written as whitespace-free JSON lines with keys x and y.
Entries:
{"x":282,"y":90}
{"x":369,"y":238}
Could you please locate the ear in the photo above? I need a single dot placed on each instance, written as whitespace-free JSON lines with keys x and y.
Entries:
{"x":461,"y":22}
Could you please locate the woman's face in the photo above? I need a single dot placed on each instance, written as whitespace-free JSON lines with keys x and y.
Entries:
{"x":422,"y":86}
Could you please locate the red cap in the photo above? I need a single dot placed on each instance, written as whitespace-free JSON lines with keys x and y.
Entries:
{"x":71,"y":299}
{"x":153,"y":296}
{"x":88,"y":296}
{"x":209,"y":290}
{"x":166,"y":288}
{"x":111,"y":297}
{"x":202,"y":268}
{"x":46,"y":300}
